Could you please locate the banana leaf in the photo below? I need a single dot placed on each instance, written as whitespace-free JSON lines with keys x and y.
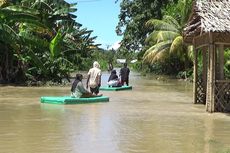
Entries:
{"x":55,"y":45}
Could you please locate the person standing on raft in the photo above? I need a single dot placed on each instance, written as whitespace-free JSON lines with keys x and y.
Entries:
{"x":94,"y":78}
{"x":124,"y":73}
{"x":110,"y":66}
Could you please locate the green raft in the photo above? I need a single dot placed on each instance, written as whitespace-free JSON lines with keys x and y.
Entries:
{"x":116,"y":88}
{"x":70,"y":100}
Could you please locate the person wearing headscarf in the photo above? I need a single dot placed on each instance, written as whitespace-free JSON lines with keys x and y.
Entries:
{"x":94,"y":78}
{"x":113,"y":79}
{"x":78,"y":90}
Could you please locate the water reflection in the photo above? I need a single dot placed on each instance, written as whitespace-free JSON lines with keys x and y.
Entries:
{"x":156,"y":116}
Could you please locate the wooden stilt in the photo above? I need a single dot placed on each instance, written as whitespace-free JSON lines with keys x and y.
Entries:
{"x":204,"y":71}
{"x":211,"y":76}
{"x":195,"y":76}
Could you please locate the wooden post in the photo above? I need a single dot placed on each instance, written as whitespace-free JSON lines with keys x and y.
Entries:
{"x":210,"y":105}
{"x":213,"y":78}
{"x":208,"y":82}
{"x":195,"y":75}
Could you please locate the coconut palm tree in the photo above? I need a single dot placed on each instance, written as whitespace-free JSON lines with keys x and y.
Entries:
{"x":166,"y":38}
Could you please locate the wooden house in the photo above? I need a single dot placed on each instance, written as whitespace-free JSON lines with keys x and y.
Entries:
{"x":208,"y":30}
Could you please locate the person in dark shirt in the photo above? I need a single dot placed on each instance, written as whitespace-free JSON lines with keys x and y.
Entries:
{"x":124,"y":73}
{"x":113,"y":75}
{"x":113,"y":79}
{"x":110,"y":67}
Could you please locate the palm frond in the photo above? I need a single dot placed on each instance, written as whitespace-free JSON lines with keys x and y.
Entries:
{"x":159,"y":36}
{"x":157,"y":56}
{"x":73,"y":5}
{"x":166,"y":35}
{"x":190,"y":52}
{"x":161,"y":25}
{"x":153,"y":53}
{"x":172,"y":21}
{"x":177,"y":45}
{"x":21,"y":9}
{"x":39,"y":3}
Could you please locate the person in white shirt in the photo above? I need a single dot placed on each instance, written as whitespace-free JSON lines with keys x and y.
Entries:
{"x":94,"y":78}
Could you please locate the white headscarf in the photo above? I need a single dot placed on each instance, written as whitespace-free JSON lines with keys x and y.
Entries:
{"x":96,"y":64}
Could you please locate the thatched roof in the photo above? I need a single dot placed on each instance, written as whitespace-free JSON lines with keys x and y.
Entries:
{"x":208,"y":16}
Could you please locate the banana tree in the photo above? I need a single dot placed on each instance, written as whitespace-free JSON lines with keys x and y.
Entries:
{"x":42,"y":39}
{"x":11,"y":18}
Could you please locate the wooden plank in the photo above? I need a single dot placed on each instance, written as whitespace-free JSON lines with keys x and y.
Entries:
{"x":201,"y":40}
{"x":223,"y":38}
{"x":223,"y":81}
{"x":202,"y":46}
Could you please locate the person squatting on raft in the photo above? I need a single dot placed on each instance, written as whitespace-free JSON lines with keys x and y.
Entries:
{"x":124,"y":73}
{"x":78,"y":90}
{"x":114,"y":80}
{"x":94,"y":78}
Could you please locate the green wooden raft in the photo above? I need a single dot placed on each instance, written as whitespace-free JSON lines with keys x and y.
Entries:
{"x":116,"y":88}
{"x":70,"y":100}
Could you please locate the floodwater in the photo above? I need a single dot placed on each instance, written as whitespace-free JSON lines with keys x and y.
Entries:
{"x":155,"y":117}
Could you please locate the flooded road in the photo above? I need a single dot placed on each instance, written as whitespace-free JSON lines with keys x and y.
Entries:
{"x":155,"y":117}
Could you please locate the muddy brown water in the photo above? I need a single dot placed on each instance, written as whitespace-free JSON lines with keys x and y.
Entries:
{"x":155,"y":117}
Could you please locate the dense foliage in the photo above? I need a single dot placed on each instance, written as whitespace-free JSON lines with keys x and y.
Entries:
{"x":132,"y":18}
{"x":154,"y":28}
{"x":165,"y":43}
{"x":227,"y":63}
{"x":41,"y":41}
